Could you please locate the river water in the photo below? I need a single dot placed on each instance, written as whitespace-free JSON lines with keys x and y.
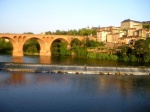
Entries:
{"x":44,"y":92}
{"x":68,"y":61}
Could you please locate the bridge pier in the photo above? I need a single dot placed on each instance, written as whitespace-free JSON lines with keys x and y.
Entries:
{"x":17,"y":53}
{"x":45,"y":53}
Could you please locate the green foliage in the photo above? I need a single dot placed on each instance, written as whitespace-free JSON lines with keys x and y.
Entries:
{"x":124,"y":50}
{"x":48,"y":32}
{"x":142,"y":49}
{"x":81,"y":32}
{"x":147,"y":57}
{"x":92,"y":55}
{"x":28,"y":33}
{"x":146,"y":26}
{"x":94,"y":32}
{"x":139,"y":52}
{"x":72,"y":32}
{"x":93,"y":43}
{"x":31,"y":47}
{"x":80,"y":51}
{"x":60,"y":48}
{"x":126,"y":58}
{"x":63,"y":49}
{"x":86,"y":32}
{"x":78,"y":48}
{"x":5,"y":46}
{"x":101,"y":56}
{"x":75,"y":42}
{"x":133,"y":58}
{"x":113,"y":57}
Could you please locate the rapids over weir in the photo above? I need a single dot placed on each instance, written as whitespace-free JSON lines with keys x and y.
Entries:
{"x":74,"y":69}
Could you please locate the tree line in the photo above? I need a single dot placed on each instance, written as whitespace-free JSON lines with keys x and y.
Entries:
{"x":81,"y":32}
{"x":5,"y":46}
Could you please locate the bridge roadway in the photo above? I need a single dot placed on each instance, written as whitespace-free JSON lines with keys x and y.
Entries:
{"x":45,"y":42}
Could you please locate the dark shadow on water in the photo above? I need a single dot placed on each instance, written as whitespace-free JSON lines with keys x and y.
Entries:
{"x":68,"y":61}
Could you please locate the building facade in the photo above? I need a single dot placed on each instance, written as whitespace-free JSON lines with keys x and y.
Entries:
{"x":126,"y":24}
{"x":113,"y":38}
{"x":102,"y":32}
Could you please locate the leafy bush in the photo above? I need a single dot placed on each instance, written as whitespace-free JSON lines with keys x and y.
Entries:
{"x":133,"y":58}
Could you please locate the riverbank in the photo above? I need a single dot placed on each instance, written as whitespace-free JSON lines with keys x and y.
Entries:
{"x":74,"y":69}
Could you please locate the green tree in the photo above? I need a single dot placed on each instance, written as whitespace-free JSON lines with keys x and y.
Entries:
{"x":88,"y":32}
{"x":75,"y":42}
{"x":72,"y":32}
{"x":146,"y":26}
{"x":58,"y":32}
{"x":94,"y":32}
{"x":31,"y":49}
{"x":78,"y":48}
{"x":82,"y":32}
{"x":91,"y":55}
{"x":93,"y":43}
{"x":60,"y":48}
{"x":133,"y":58}
{"x":28,"y":32}
{"x":5,"y":46}
{"x":31,"y":46}
{"x":48,"y":32}
{"x":85,"y":32}
{"x":63,"y":49}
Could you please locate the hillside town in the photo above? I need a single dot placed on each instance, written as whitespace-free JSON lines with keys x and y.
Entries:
{"x":128,"y":32}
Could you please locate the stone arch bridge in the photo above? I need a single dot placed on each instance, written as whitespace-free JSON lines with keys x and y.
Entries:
{"x":45,"y":42}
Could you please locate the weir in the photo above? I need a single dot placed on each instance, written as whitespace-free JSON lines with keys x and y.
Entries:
{"x":74,"y":69}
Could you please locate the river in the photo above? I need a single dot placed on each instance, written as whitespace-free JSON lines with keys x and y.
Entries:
{"x":45,"y":92}
{"x":68,"y":61}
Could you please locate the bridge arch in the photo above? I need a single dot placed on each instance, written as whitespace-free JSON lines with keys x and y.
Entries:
{"x":13,"y":42}
{"x":61,"y":39}
{"x":56,"y":49}
{"x":43,"y":46}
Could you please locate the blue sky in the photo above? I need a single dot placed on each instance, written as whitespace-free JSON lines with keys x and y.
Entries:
{"x":19,"y":16}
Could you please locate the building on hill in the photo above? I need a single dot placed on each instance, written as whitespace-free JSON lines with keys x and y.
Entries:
{"x":113,"y":37}
{"x":130,"y":31}
{"x":102,"y":32}
{"x":144,"y":33}
{"x":126,"y":24}
{"x":127,"y":33}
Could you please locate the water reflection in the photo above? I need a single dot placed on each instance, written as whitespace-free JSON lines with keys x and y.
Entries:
{"x":67,"y":60}
{"x":73,"y":92}
{"x":16,"y":78}
{"x":45,"y":59}
{"x":95,"y":83}
{"x":17,"y":59}
{"x":32,"y":59}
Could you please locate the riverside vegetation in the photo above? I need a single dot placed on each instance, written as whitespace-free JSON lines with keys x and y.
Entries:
{"x":140,"y":51}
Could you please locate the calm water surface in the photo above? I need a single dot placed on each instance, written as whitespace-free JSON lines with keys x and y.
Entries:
{"x":68,"y":61}
{"x":37,"y":92}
